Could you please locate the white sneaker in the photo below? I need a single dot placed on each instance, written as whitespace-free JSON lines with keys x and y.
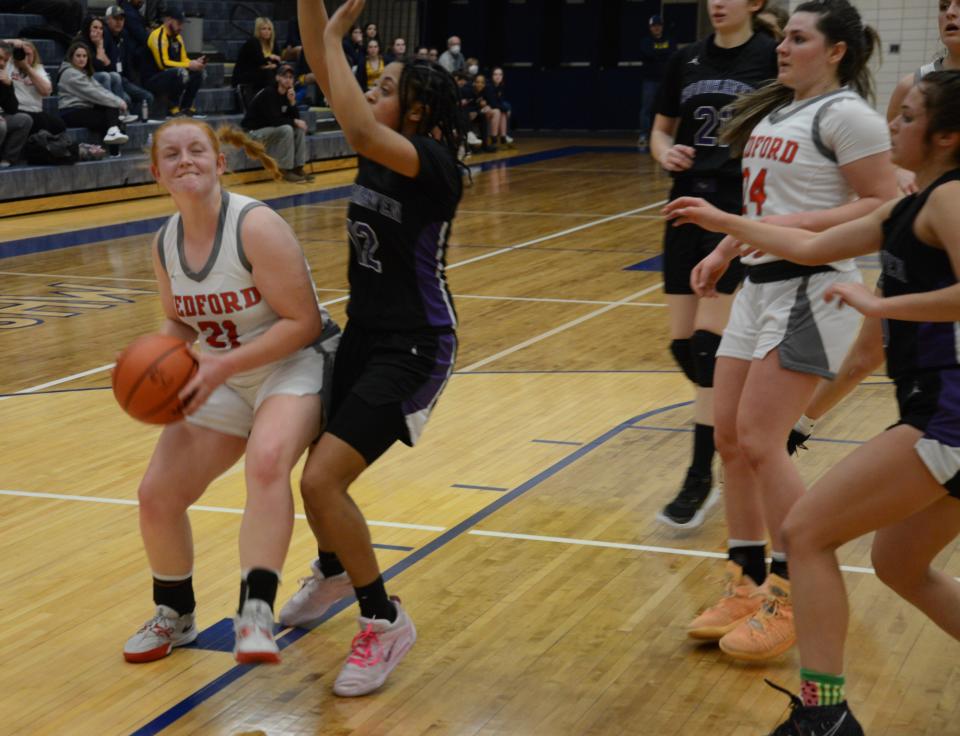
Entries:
{"x":128,"y":118}
{"x":115,"y":136}
{"x":508,"y":140}
{"x":158,"y":636}
{"x":315,"y":596}
{"x":472,"y":139}
{"x":374,"y":652}
{"x":254,"y":634}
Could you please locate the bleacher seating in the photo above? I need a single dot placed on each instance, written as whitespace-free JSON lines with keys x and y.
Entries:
{"x":222,"y":40}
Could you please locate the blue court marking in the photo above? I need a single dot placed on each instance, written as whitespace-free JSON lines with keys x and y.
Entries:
{"x":469,"y":487}
{"x":651,"y":264}
{"x":55,"y":241}
{"x":558,"y":442}
{"x":648,"y":428}
{"x":396,"y":547}
{"x":212,"y":688}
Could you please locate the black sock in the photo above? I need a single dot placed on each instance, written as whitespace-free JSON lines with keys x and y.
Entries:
{"x":329,"y":563}
{"x":752,"y":560}
{"x":703,"y":449}
{"x":260,"y":584}
{"x":176,"y":594}
{"x":779,"y":567}
{"x":374,"y":602}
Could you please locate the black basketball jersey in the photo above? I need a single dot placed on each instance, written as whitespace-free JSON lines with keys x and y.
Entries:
{"x":910,"y":266}
{"x":398,"y":229}
{"x":700,"y":83}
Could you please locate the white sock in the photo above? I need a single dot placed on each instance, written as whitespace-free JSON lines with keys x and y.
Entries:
{"x":804,"y":425}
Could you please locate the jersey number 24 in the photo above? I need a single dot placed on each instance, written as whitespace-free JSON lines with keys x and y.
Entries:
{"x":753,"y":191}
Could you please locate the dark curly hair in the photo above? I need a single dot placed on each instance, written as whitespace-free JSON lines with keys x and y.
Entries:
{"x":433,"y":87}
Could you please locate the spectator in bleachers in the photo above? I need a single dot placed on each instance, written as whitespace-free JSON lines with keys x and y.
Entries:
{"x":655,"y":50}
{"x":471,"y":67}
{"x":422,"y":53}
{"x":353,"y":48}
{"x":433,"y":54}
{"x":486,"y":103}
{"x":451,"y":59}
{"x":469,"y":110}
{"x":84,"y":103}
{"x":257,"y":61}
{"x":31,"y":84}
{"x":368,"y":72}
{"x":14,"y":125}
{"x":397,"y":52}
{"x":173,"y":74}
{"x":118,"y":46}
{"x":104,"y":72}
{"x":135,"y":29}
{"x":305,"y":87}
{"x":370,"y":33}
{"x":502,"y":104}
{"x":272,"y":118}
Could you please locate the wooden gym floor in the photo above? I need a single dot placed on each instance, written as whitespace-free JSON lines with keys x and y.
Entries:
{"x":520,"y":533}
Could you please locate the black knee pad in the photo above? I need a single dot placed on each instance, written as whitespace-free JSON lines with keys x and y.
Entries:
{"x":683,"y":354}
{"x":703,"y":346}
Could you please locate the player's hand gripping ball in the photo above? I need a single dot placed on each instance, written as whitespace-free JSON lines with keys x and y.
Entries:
{"x":150,"y":374}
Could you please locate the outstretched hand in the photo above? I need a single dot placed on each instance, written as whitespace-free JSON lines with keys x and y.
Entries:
{"x":696,"y":211}
{"x":345,"y":18}
{"x":857,"y":296}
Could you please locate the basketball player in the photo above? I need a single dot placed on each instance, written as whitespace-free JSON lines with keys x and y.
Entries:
{"x":866,"y":355}
{"x":699,"y":84}
{"x":233,"y":277}
{"x":815,"y":154}
{"x":904,"y":483}
{"x":399,"y":345}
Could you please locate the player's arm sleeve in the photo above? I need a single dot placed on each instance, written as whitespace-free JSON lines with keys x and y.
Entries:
{"x":854,"y":131}
{"x":668,"y":97}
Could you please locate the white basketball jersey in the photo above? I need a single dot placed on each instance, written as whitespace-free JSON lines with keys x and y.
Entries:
{"x":220,"y":301}
{"x":792,"y":160}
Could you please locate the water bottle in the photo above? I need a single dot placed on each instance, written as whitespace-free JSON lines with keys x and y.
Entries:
{"x":144,"y":111}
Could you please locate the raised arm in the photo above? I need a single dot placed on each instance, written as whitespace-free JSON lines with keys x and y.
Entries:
{"x":312,"y":20}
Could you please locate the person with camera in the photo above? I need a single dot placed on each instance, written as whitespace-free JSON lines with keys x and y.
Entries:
{"x":31,"y":84}
{"x":14,"y":125}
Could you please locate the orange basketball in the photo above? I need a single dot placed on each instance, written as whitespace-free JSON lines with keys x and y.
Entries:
{"x":148,"y":376}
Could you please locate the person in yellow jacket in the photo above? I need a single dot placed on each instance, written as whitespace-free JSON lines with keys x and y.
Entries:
{"x":170,"y":72}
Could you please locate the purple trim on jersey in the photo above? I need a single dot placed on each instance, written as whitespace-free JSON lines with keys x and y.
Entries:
{"x":431,"y":281}
{"x":427,"y":394}
{"x":944,"y":425}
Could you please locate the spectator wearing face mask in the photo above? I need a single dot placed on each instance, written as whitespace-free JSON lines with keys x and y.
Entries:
{"x":451,"y":59}
{"x":472,"y":68}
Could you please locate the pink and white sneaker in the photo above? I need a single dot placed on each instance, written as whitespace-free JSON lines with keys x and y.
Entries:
{"x":254,"y":634}
{"x":158,"y":636}
{"x":315,"y":596}
{"x":374,"y":652}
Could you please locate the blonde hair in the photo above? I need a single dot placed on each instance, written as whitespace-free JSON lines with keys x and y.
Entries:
{"x":37,"y":61}
{"x":227,"y":134}
{"x":257,"y":25}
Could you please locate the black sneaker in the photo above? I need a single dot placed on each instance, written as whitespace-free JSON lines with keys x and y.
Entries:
{"x":691,"y":504}
{"x":796,"y":441}
{"x":816,"y":720}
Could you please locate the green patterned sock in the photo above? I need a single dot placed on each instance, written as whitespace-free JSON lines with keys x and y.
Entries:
{"x":818,"y":688}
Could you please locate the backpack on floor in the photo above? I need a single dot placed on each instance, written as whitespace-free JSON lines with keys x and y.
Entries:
{"x":44,"y":148}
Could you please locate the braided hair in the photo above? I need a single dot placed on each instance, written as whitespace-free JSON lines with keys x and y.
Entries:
{"x":434,"y":88}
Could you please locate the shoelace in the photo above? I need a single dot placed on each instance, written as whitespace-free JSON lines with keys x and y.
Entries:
{"x":159,"y":626}
{"x":365,"y":649}
{"x":795,"y":705}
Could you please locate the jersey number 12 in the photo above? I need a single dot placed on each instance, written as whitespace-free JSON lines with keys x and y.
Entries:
{"x":365,"y":243}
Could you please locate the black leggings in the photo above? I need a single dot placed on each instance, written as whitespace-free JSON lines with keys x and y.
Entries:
{"x":46,"y":121}
{"x":99,"y":119}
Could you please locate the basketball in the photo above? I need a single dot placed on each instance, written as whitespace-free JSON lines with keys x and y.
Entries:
{"x":148,"y":376}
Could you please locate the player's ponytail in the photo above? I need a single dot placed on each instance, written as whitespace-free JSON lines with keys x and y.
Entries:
{"x":748,"y":110}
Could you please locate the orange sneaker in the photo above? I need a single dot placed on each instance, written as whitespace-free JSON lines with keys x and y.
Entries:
{"x":770,"y":632}
{"x":741,"y":600}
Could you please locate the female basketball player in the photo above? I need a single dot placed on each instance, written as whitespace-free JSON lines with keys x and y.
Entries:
{"x":699,"y":84}
{"x":815,"y":154}
{"x":904,"y":483}
{"x":399,"y":345}
{"x":231,"y":275}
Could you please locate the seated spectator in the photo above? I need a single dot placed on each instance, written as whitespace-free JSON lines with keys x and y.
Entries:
{"x":353,"y":48}
{"x":272,"y":119}
{"x":31,"y":84}
{"x":306,"y":86}
{"x":451,"y":59}
{"x":370,"y":33}
{"x":257,"y":61}
{"x":14,"y":125}
{"x":91,"y":32}
{"x":502,"y":134}
{"x":173,"y":74}
{"x":433,"y":54}
{"x":472,"y":68}
{"x":119,"y":48}
{"x":468,"y":109}
{"x":486,"y":101}
{"x":84,"y":103}
{"x":135,"y":29}
{"x":423,"y":53}
{"x":369,"y":71}
{"x":397,"y":52}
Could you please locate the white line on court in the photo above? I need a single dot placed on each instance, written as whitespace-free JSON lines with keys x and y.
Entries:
{"x":428,"y":528}
{"x":76,"y":276}
{"x":559,"y":329}
{"x":195,"y":507}
{"x":48,"y":384}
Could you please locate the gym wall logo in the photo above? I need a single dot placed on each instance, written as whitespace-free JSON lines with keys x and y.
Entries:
{"x":64,"y":300}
